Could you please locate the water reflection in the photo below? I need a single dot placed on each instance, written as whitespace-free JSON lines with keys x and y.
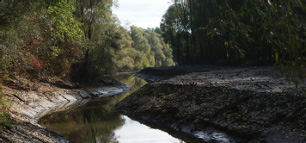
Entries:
{"x":131,"y":81}
{"x":98,"y":121}
{"x":94,"y":122}
{"x":134,"y":132}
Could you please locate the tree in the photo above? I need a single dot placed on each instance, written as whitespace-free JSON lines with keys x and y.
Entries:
{"x":238,"y":33}
{"x":97,"y":21}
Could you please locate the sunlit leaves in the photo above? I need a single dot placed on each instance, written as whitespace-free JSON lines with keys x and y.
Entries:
{"x":64,"y":27}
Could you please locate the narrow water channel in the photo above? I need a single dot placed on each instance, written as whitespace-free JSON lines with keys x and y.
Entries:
{"x":98,"y":122}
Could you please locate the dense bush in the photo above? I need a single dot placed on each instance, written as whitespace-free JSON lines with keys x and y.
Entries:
{"x":42,"y":40}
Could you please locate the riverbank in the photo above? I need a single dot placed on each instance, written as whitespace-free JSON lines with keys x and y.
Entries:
{"x":254,"y":104}
{"x":27,"y":106}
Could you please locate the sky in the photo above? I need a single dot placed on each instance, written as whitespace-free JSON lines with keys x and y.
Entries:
{"x":141,"y":13}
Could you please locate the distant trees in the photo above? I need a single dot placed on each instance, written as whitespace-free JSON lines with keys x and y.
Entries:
{"x":113,"y":48}
{"x":152,"y":49}
{"x":143,"y":48}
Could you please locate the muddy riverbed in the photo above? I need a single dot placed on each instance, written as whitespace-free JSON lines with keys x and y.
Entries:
{"x":225,"y":105}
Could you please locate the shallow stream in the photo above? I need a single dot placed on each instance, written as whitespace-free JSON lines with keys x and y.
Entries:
{"x":98,"y":122}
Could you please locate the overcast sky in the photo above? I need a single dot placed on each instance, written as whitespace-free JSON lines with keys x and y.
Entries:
{"x":141,"y":13}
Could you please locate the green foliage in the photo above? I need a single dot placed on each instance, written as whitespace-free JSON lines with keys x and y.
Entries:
{"x":40,"y":39}
{"x":238,"y":33}
{"x":113,"y":48}
{"x":286,"y":22}
{"x":64,"y":28}
{"x":64,"y":37}
{"x":272,"y":33}
{"x":10,"y":40}
{"x":150,"y":48}
{"x":78,"y":38}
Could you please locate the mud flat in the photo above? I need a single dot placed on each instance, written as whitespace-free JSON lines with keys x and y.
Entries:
{"x":26,"y":107}
{"x":254,"y":104}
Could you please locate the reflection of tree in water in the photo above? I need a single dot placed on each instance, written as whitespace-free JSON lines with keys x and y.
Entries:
{"x":131,"y":81}
{"x":94,"y":122}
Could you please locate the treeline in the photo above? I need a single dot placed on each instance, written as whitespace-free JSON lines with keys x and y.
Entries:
{"x":238,"y":32}
{"x":81,"y":39}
